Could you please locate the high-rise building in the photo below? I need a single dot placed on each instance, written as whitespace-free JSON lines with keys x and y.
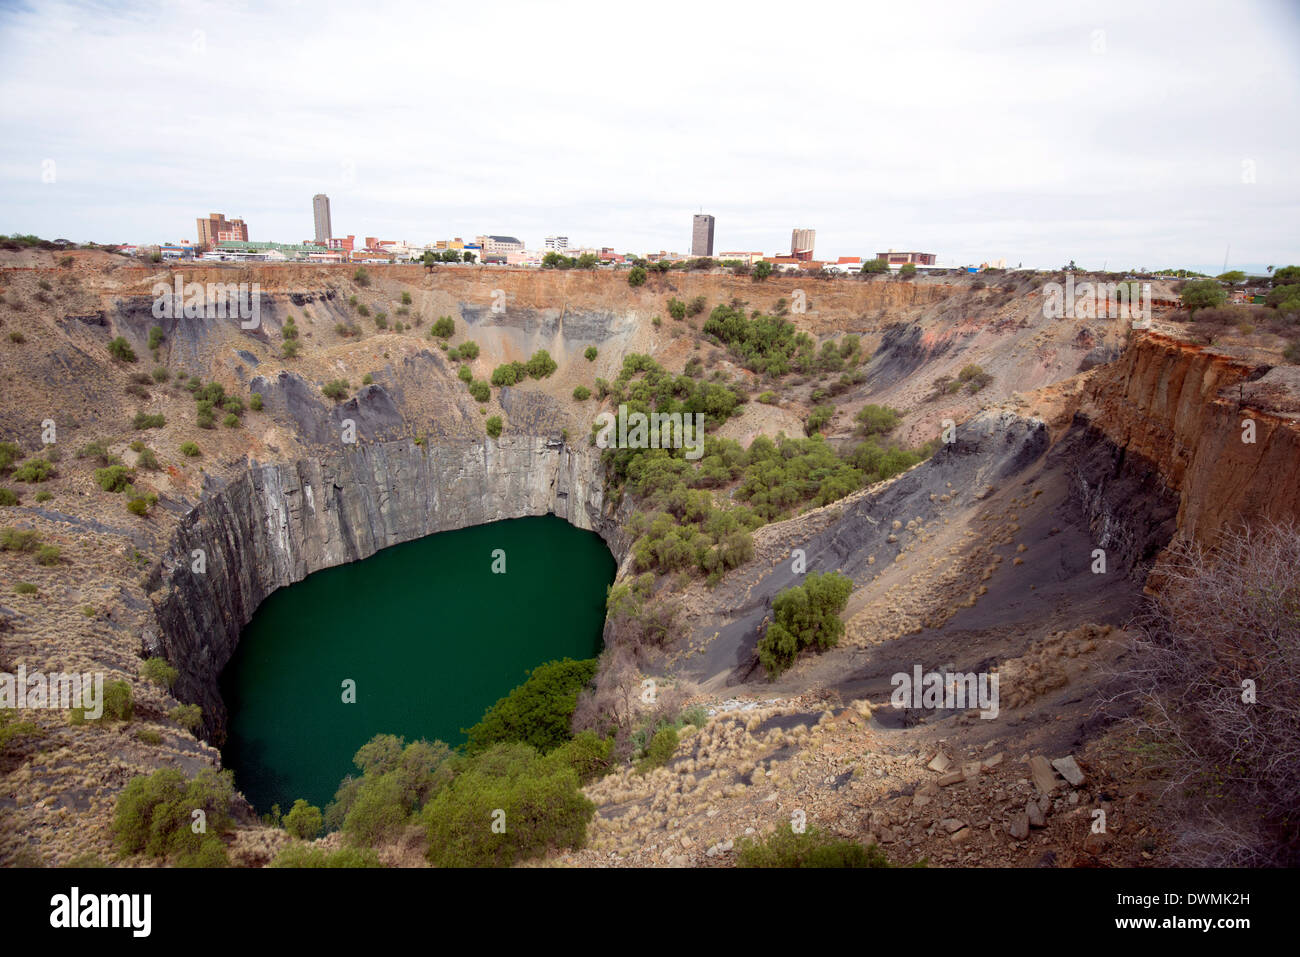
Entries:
{"x":801,"y":244}
{"x":320,"y":205}
{"x":702,"y":235}
{"x":215,"y":228}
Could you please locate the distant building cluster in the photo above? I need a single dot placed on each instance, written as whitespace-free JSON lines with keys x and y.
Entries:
{"x":228,"y":239}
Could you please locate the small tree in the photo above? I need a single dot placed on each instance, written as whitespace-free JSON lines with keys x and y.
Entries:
{"x":761,"y":270}
{"x":304,"y":820}
{"x":636,"y":277}
{"x":804,"y":616}
{"x":120,"y":349}
{"x":1203,"y":294}
{"x":494,"y":426}
{"x":337,"y":389}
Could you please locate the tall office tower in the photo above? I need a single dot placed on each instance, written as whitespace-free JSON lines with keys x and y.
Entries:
{"x":320,"y":204}
{"x":801,"y":243}
{"x":702,"y":235}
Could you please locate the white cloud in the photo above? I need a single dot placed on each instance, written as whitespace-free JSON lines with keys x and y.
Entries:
{"x":1039,"y":134}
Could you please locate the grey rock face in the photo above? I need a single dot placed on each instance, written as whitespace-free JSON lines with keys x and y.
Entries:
{"x":277,"y":524}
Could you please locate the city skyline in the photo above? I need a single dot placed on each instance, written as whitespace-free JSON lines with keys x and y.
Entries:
{"x":972,"y":162}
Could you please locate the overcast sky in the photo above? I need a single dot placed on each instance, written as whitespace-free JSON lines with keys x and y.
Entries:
{"x":1126,"y":134}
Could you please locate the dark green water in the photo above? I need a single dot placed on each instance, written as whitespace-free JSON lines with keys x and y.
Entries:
{"x":428,"y":632}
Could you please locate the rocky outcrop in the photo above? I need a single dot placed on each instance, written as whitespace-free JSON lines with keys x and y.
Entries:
{"x":1186,"y":411}
{"x":276,"y":524}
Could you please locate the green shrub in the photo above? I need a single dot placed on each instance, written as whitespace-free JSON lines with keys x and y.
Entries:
{"x":535,"y":799}
{"x":9,"y":452}
{"x":508,"y":374}
{"x":493,"y":426}
{"x":119,"y":348}
{"x":160,"y":374}
{"x":361,"y":277}
{"x":138,"y":506}
{"x":190,"y":450}
{"x":119,"y":704}
{"x":636,"y":276}
{"x":48,"y":555}
{"x":588,"y":754}
{"x":149,"y":736}
{"x":34,"y":470}
{"x":767,"y":398}
{"x":974,"y":377}
{"x":1203,"y":294}
{"x":290,"y":349}
{"x":479,"y":390}
{"x":12,"y":730}
{"x":255,"y":402}
{"x":25,"y":588}
{"x":541,"y":365}
{"x":406,"y":299}
{"x":304,"y":820}
{"x":7,"y":497}
{"x":465,"y":375}
{"x":381,"y":320}
{"x":143,"y":420}
{"x":147,"y":460}
{"x":188,"y":716}
{"x":537,"y":712}
{"x":44,"y":496}
{"x":337,"y":389}
{"x":159,"y":672}
{"x":17,"y":337}
{"x":114,"y":478}
{"x":367,"y":379}
{"x":363,"y":310}
{"x":763,"y":344}
{"x":659,"y":751}
{"x":231,"y":421}
{"x":468,"y":350}
{"x":156,"y":337}
{"x":155,"y":814}
{"x":304,"y":855}
{"x":877,"y":419}
{"x":676,"y":308}
{"x":812,"y":848}
{"x":581,"y":393}
{"x":13,"y":540}
{"x":804,"y":616}
{"x":444,"y":328}
{"x":397,"y":780}
{"x":591,"y":353}
{"x":818,"y":418}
